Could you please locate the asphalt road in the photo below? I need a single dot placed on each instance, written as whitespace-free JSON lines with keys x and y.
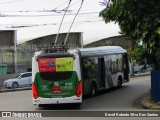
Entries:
{"x":116,"y":99}
{"x":122,"y":99}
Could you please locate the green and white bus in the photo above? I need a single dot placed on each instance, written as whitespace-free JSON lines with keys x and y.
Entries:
{"x":64,"y":77}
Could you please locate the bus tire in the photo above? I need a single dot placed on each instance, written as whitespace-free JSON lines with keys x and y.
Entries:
{"x":77,"y":105}
{"x":41,"y":105}
{"x":119,"y":81}
{"x":93,"y":89}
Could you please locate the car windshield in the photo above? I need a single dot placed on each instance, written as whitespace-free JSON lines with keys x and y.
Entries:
{"x":17,"y":76}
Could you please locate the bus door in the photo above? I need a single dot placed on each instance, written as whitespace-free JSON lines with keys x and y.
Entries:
{"x":110,"y":72}
{"x":126,"y":67}
{"x":85,"y":79}
{"x":101,"y":72}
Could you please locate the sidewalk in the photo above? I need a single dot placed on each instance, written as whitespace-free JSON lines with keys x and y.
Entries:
{"x":147,"y":103}
{"x":2,"y":90}
{"x":145,"y":100}
{"x":140,"y":75}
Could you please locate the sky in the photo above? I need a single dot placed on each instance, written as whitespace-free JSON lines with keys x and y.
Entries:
{"x":37,"y":18}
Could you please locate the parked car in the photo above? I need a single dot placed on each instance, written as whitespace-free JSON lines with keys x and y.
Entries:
{"x":142,"y":68}
{"x":22,"y":79}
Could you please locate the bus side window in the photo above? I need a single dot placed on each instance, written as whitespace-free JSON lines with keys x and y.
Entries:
{"x":84,"y":70}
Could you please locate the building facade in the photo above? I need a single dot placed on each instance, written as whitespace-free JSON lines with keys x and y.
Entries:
{"x":122,"y":41}
{"x":26,"y":50}
{"x":7,"y":51}
{"x":74,"y":41}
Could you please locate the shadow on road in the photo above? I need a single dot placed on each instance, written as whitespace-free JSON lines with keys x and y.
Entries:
{"x":73,"y":106}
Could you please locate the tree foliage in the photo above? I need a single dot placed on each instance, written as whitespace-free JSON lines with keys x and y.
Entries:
{"x":139,"y":56}
{"x":135,"y":56}
{"x":139,"y":20}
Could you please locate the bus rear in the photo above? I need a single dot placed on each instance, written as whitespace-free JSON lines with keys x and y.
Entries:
{"x":56,"y":79}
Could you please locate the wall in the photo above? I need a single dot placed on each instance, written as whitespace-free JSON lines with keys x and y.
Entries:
{"x":7,"y":41}
{"x":74,"y":41}
{"x":113,"y":41}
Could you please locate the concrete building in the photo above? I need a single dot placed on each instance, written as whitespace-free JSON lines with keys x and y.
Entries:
{"x":26,"y":50}
{"x":112,"y":41}
{"x":19,"y":58}
{"x":74,"y":41}
{"x":7,"y":51}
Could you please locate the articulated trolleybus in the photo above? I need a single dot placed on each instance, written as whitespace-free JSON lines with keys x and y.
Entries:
{"x":64,"y":77}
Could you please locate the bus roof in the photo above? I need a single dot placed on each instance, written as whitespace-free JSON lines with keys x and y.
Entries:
{"x":97,"y":51}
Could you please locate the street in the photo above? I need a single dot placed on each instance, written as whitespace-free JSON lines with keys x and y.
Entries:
{"x":116,"y":99}
{"x":113,"y":100}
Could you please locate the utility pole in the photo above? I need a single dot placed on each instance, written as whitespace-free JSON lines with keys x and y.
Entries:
{"x":15,"y":51}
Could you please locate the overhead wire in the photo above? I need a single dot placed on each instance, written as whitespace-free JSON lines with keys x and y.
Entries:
{"x":61,"y":23}
{"x":63,"y":10}
{"x":70,"y":11}
{"x":46,"y":10}
{"x":90,"y":17}
{"x":17,"y":15}
{"x":47,"y":24}
{"x":74,"y":3}
{"x":66,"y":9}
{"x":11,"y":1}
{"x":72,"y":23}
{"x":73,"y":34}
{"x":61,"y":4}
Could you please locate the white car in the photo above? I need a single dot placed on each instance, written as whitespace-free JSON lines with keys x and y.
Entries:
{"x":22,"y":79}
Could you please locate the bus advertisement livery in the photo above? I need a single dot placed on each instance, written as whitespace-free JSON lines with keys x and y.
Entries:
{"x":64,"y":77}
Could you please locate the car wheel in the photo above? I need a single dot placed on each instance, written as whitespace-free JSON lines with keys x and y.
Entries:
{"x":15,"y":85}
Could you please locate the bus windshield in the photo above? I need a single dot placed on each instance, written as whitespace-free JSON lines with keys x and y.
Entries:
{"x":56,"y":76}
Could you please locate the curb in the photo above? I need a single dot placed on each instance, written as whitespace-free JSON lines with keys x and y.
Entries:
{"x":147,"y":102}
{"x":140,"y":75}
{"x":13,"y":90}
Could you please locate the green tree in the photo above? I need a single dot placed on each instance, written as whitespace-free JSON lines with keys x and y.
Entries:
{"x":139,"y":20}
{"x":135,"y":56}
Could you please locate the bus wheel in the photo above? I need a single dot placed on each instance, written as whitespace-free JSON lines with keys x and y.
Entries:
{"x":119,"y":81}
{"x":93,"y":89}
{"x":41,"y":105}
{"x":77,"y":105}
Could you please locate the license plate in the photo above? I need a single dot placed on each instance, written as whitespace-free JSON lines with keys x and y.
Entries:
{"x":56,"y":89}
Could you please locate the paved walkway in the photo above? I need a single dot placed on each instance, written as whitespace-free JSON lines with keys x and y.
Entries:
{"x":148,"y":103}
